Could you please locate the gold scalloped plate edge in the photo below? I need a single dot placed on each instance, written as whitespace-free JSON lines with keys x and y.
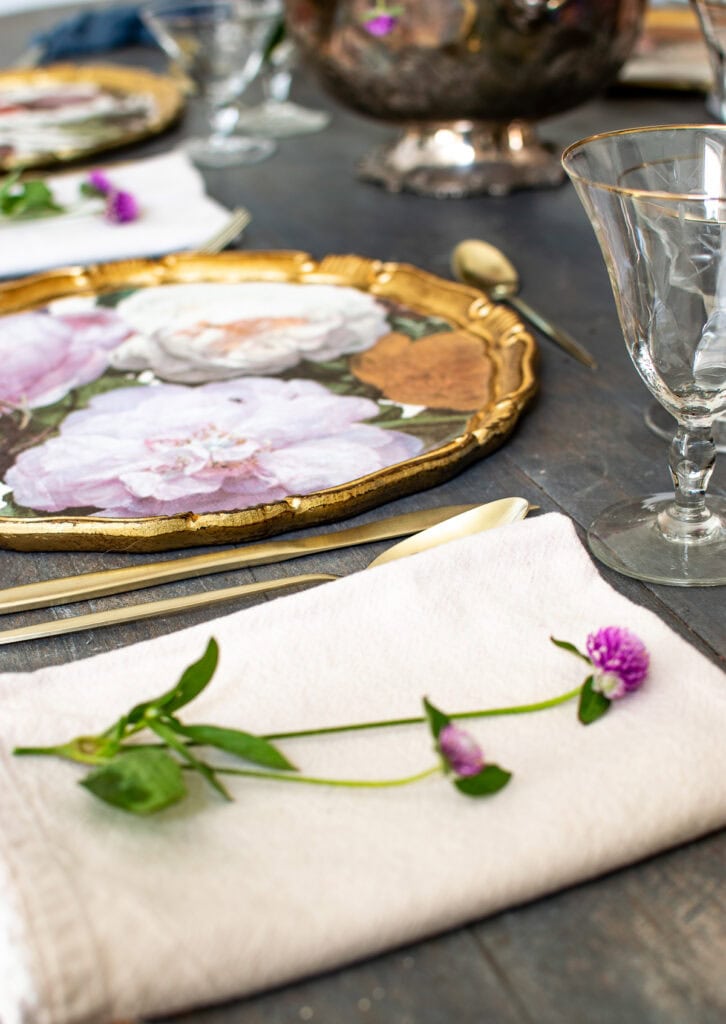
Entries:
{"x":509,"y":344}
{"x":166,"y":91}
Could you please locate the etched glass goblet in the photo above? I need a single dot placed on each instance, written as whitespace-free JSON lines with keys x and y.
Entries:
{"x":656,"y":198}
{"x":277,"y":116}
{"x":220,"y":45}
{"x":712,"y":18}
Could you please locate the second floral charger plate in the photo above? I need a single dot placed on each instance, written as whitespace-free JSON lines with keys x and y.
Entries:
{"x":68,"y":111}
{"x":148,"y":405}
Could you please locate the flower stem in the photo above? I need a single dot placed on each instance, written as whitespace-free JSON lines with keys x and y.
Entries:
{"x":519,"y":709}
{"x":313,"y":780}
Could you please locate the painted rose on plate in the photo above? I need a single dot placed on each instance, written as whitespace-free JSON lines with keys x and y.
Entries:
{"x":168,"y":449}
{"x":43,"y":357}
{"x":197,"y":333}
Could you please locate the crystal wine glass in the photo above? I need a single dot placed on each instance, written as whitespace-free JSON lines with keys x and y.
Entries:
{"x":656,"y":198}
{"x":220,"y":45}
{"x":712,"y":19}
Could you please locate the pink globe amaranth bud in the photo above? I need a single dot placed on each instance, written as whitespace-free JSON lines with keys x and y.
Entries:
{"x":461,"y":751}
{"x":121,"y":208}
{"x":381,"y":25}
{"x":619,"y":659}
{"x":101,"y":182}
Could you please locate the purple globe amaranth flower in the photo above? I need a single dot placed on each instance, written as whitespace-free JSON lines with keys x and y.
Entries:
{"x":101,"y":182}
{"x":620,"y":660}
{"x":381,"y":24}
{"x":461,"y":751}
{"x":121,"y":208}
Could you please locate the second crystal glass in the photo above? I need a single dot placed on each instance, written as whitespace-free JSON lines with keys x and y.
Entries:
{"x":277,"y":116}
{"x":219,"y":44}
{"x":656,"y":198}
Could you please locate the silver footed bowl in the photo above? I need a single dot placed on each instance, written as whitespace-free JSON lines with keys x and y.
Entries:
{"x":464,"y":80}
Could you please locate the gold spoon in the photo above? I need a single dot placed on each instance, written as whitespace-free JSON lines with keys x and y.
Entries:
{"x":485,"y":267}
{"x":475,"y":520}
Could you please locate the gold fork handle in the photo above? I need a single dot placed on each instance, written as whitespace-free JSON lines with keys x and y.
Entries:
{"x":46,"y":593}
{"x":236,"y":224}
{"x":169,"y":606}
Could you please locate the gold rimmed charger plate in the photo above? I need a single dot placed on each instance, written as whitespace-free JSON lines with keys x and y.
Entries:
{"x":162,"y":98}
{"x":431,"y":309}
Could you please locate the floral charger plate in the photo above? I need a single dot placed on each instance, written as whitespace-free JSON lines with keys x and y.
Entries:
{"x":147,"y":405}
{"x":67,"y":111}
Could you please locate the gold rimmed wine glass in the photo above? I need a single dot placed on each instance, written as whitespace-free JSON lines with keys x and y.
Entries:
{"x":656,"y":198}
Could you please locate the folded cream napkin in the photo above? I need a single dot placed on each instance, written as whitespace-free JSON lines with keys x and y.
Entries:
{"x":104,"y":916}
{"x":175,"y":214}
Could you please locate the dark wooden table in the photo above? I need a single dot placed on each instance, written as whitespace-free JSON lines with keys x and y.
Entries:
{"x":646,"y":945}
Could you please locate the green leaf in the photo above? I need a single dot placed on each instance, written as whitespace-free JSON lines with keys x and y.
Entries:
{"x":139,"y":781}
{"x":192,"y":682}
{"x":6,"y":191}
{"x":571,"y":648}
{"x":30,"y":198}
{"x":38,"y":198}
{"x":437,"y":719}
{"x":489,"y":780}
{"x":233,"y":741}
{"x":593,"y":704}
{"x":165,"y":732}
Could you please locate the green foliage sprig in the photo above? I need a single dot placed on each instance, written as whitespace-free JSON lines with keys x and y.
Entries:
{"x":145,"y":777}
{"x":32,"y":199}
{"x":24,"y":200}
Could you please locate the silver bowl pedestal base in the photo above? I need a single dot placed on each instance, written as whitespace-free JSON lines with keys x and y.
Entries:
{"x":455,"y":159}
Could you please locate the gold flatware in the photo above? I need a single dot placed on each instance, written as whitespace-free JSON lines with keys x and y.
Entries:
{"x":474,"y":520}
{"x":485,"y":267}
{"x":68,"y":589}
{"x":238,"y":221}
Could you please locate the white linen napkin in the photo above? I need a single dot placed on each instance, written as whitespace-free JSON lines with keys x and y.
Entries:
{"x":104,"y":916}
{"x":176,"y":214}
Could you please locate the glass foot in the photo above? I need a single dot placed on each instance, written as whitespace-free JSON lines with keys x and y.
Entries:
{"x":628,"y":539}
{"x":282,"y":120}
{"x":228,"y":150}
{"x":662,"y":423}
{"x":453,"y":159}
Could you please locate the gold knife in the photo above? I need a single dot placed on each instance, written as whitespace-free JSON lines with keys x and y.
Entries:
{"x":135,"y":577}
{"x":474,"y":519}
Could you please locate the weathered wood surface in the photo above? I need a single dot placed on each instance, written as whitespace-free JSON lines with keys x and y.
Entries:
{"x":646,"y":944}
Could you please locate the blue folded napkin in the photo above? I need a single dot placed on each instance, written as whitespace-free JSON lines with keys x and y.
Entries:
{"x":92,"y":32}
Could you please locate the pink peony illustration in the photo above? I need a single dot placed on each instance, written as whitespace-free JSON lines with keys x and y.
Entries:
{"x":197,"y":333}
{"x":44,"y":356}
{"x":170,"y":449}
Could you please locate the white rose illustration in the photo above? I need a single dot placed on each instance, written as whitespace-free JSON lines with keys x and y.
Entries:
{"x":197,"y":333}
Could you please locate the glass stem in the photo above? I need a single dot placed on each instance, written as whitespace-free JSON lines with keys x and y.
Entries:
{"x":691,"y":462}
{"x":221,"y":119}
{"x":276,"y":85}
